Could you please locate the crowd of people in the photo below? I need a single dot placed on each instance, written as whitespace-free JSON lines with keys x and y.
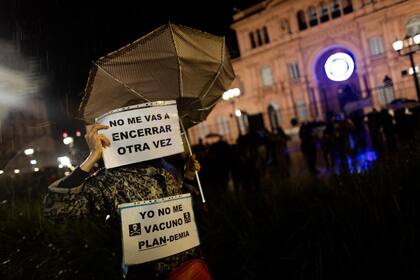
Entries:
{"x":329,"y":144}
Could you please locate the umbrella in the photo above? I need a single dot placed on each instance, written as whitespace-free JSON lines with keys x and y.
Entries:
{"x":212,"y":134}
{"x":173,"y":62}
{"x":402,"y":103}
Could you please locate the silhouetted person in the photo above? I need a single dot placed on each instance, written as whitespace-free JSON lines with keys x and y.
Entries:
{"x":344,"y":129}
{"x":404,"y":125}
{"x":308,"y":146}
{"x":388,"y":128}
{"x":359,"y":133}
{"x":328,"y":144}
{"x":416,"y":120}
{"x":247,"y":146}
{"x":218,"y":163}
{"x":281,"y":154}
{"x":374,"y":125}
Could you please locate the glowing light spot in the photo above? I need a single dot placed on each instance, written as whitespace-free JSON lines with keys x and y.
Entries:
{"x":29,"y":151}
{"x":339,"y":67}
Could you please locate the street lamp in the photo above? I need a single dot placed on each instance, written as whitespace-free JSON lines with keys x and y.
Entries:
{"x":409,"y":46}
{"x":28,"y":151}
{"x":231,"y":93}
{"x":68,"y":140}
{"x":64,"y":162}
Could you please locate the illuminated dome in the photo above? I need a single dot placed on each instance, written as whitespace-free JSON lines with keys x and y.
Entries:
{"x":339,"y":67}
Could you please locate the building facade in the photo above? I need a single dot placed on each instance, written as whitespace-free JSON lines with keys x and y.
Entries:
{"x":303,"y":58}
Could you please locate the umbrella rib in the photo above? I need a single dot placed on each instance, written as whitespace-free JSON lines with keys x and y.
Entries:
{"x":219,"y":70}
{"x":123,"y":84}
{"x":181,"y":92}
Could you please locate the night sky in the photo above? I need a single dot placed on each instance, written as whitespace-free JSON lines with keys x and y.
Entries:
{"x":68,"y":35}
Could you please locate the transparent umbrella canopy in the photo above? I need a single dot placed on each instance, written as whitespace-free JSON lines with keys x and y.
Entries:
{"x":173,"y":62}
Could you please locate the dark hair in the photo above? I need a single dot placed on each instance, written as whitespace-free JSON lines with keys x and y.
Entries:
{"x":294,"y":122}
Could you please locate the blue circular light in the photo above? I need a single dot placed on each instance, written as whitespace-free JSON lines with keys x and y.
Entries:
{"x":339,"y":67}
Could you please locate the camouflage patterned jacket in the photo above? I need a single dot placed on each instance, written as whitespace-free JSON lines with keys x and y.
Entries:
{"x":101,"y":194}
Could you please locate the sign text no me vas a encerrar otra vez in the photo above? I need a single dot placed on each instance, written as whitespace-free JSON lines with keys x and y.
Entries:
{"x":141,"y":132}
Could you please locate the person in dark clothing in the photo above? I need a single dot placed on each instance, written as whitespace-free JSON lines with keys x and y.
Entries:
{"x":308,"y":146}
{"x":388,"y":128}
{"x":359,"y":133}
{"x":280,"y":151}
{"x":247,"y":152}
{"x":328,"y":144}
{"x":218,"y":164}
{"x":374,"y":125}
{"x":404,"y":125}
{"x":345,"y":128}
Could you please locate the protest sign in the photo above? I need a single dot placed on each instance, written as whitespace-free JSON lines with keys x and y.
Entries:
{"x":158,"y":228}
{"x":141,"y":132}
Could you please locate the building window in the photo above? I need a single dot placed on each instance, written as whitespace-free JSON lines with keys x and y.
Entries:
{"x":293,"y":71}
{"x":335,"y":9}
{"x":347,"y":6}
{"x":413,"y":26}
{"x":252,"y":40}
{"x":325,"y":16}
{"x":302,"y":111}
{"x":313,"y":17}
{"x":267,"y":76}
{"x":259,"y":38}
{"x":301,"y":20}
{"x":266,"y":37}
{"x":285,"y":26}
{"x":223,"y":126}
{"x":203,"y":129}
{"x":376,"y":46}
{"x":242,"y":121}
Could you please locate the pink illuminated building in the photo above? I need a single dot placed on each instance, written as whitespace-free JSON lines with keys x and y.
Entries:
{"x":304,"y":58}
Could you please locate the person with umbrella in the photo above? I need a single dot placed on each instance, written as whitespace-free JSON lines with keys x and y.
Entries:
{"x":143,"y":72}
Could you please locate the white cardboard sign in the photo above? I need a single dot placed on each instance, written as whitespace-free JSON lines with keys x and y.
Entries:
{"x":141,"y":132}
{"x":158,"y":228}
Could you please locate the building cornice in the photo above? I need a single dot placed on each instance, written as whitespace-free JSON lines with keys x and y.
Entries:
{"x":321,"y":32}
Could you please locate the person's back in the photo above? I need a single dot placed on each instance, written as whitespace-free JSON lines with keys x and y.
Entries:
{"x":84,"y":196}
{"x":308,"y":146}
{"x":108,"y":188}
{"x":374,"y":126}
{"x":219,"y":163}
{"x":101,"y":194}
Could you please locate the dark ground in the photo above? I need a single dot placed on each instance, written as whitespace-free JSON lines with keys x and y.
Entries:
{"x":348,"y":226}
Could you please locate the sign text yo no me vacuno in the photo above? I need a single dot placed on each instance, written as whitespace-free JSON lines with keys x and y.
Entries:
{"x":157,"y":229}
